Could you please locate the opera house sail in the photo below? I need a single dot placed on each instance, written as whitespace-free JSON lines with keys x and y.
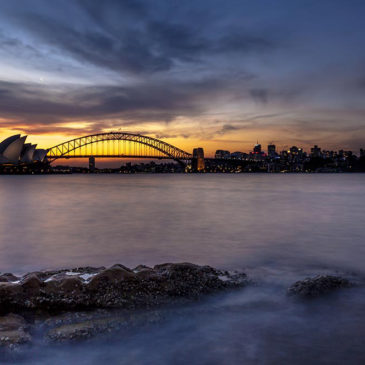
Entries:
{"x":14,"y":151}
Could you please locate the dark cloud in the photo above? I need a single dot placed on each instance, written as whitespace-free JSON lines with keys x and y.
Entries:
{"x":227,"y":128}
{"x":154,"y":101}
{"x":124,"y":37}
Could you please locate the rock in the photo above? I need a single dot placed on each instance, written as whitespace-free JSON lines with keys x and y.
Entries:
{"x":114,"y":275}
{"x":76,"y":303}
{"x":8,"y":277}
{"x":86,"y":329}
{"x":88,"y":270}
{"x":314,"y":287}
{"x":120,"y":266}
{"x":146,"y":274}
{"x":73,"y":331}
{"x":72,"y":285}
{"x":13,"y":330}
{"x":10,"y":290}
{"x":31,"y":284}
{"x":141,"y":268}
{"x":94,"y":324}
{"x":114,"y":287}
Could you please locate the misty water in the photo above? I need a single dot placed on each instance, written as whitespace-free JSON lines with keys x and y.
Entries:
{"x":276,"y":228}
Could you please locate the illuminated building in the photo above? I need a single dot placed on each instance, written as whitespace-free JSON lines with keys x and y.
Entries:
{"x":198,"y":160}
{"x":257,"y":148}
{"x":14,"y":150}
{"x":238,"y":155}
{"x":220,"y":154}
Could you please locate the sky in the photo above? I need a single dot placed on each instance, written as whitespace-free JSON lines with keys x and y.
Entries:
{"x":217,"y":74}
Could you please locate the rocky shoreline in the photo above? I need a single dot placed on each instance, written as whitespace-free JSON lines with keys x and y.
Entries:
{"x":80,"y":303}
{"x":114,"y":287}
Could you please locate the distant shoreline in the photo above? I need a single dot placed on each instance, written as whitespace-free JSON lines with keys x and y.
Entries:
{"x":178,"y":173}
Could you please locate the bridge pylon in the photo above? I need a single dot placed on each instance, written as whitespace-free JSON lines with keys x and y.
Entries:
{"x":91,"y":163}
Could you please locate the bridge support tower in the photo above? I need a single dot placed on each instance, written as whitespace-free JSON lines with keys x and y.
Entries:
{"x":91,"y":163}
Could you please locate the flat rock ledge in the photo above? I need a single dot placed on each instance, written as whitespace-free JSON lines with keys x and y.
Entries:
{"x":317,"y":286}
{"x":114,"y":287}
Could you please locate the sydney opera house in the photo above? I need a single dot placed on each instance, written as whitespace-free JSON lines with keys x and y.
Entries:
{"x":14,"y":151}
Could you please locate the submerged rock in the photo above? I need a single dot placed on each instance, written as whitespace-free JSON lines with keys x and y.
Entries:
{"x":314,"y":287}
{"x":13,"y":330}
{"x":114,"y":287}
{"x":70,"y":328}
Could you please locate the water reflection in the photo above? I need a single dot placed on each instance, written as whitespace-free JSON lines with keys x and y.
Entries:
{"x":278,"y":227}
{"x":222,"y":220}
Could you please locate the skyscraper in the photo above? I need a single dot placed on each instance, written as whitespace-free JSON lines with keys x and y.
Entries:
{"x":219,"y":154}
{"x":197,"y":163}
{"x":271,"y":150}
{"x":257,"y":148}
{"x":315,"y":151}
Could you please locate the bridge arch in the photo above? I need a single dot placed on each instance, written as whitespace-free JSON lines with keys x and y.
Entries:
{"x":68,"y":149}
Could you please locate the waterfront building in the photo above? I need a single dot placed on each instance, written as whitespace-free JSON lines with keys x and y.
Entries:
{"x":271,"y":150}
{"x":294,"y":150}
{"x":222,"y":154}
{"x":198,"y":160}
{"x":257,"y":154}
{"x":347,"y":154}
{"x":27,"y":154}
{"x":238,"y":155}
{"x":257,"y":148}
{"x":11,"y":148}
{"x":328,"y":154}
{"x":316,"y":151}
{"x":14,"y":151}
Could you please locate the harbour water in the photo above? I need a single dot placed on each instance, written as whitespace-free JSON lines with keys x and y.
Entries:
{"x":277,"y":228}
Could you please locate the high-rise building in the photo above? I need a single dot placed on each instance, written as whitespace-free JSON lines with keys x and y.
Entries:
{"x":271,"y":150}
{"x":237,"y":155}
{"x":362,"y":152}
{"x":315,"y":151}
{"x":328,"y":154}
{"x":198,"y":160}
{"x":219,"y":154}
{"x":294,"y":150}
{"x":257,"y":148}
{"x":347,"y":154}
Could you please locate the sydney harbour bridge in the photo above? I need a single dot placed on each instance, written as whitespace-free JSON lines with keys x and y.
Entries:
{"x":117,"y":145}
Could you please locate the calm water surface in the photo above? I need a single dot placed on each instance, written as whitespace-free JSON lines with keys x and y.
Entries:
{"x":279,"y":228}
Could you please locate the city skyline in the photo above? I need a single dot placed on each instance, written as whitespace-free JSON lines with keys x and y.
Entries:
{"x":19,"y":156}
{"x":193,"y":74}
